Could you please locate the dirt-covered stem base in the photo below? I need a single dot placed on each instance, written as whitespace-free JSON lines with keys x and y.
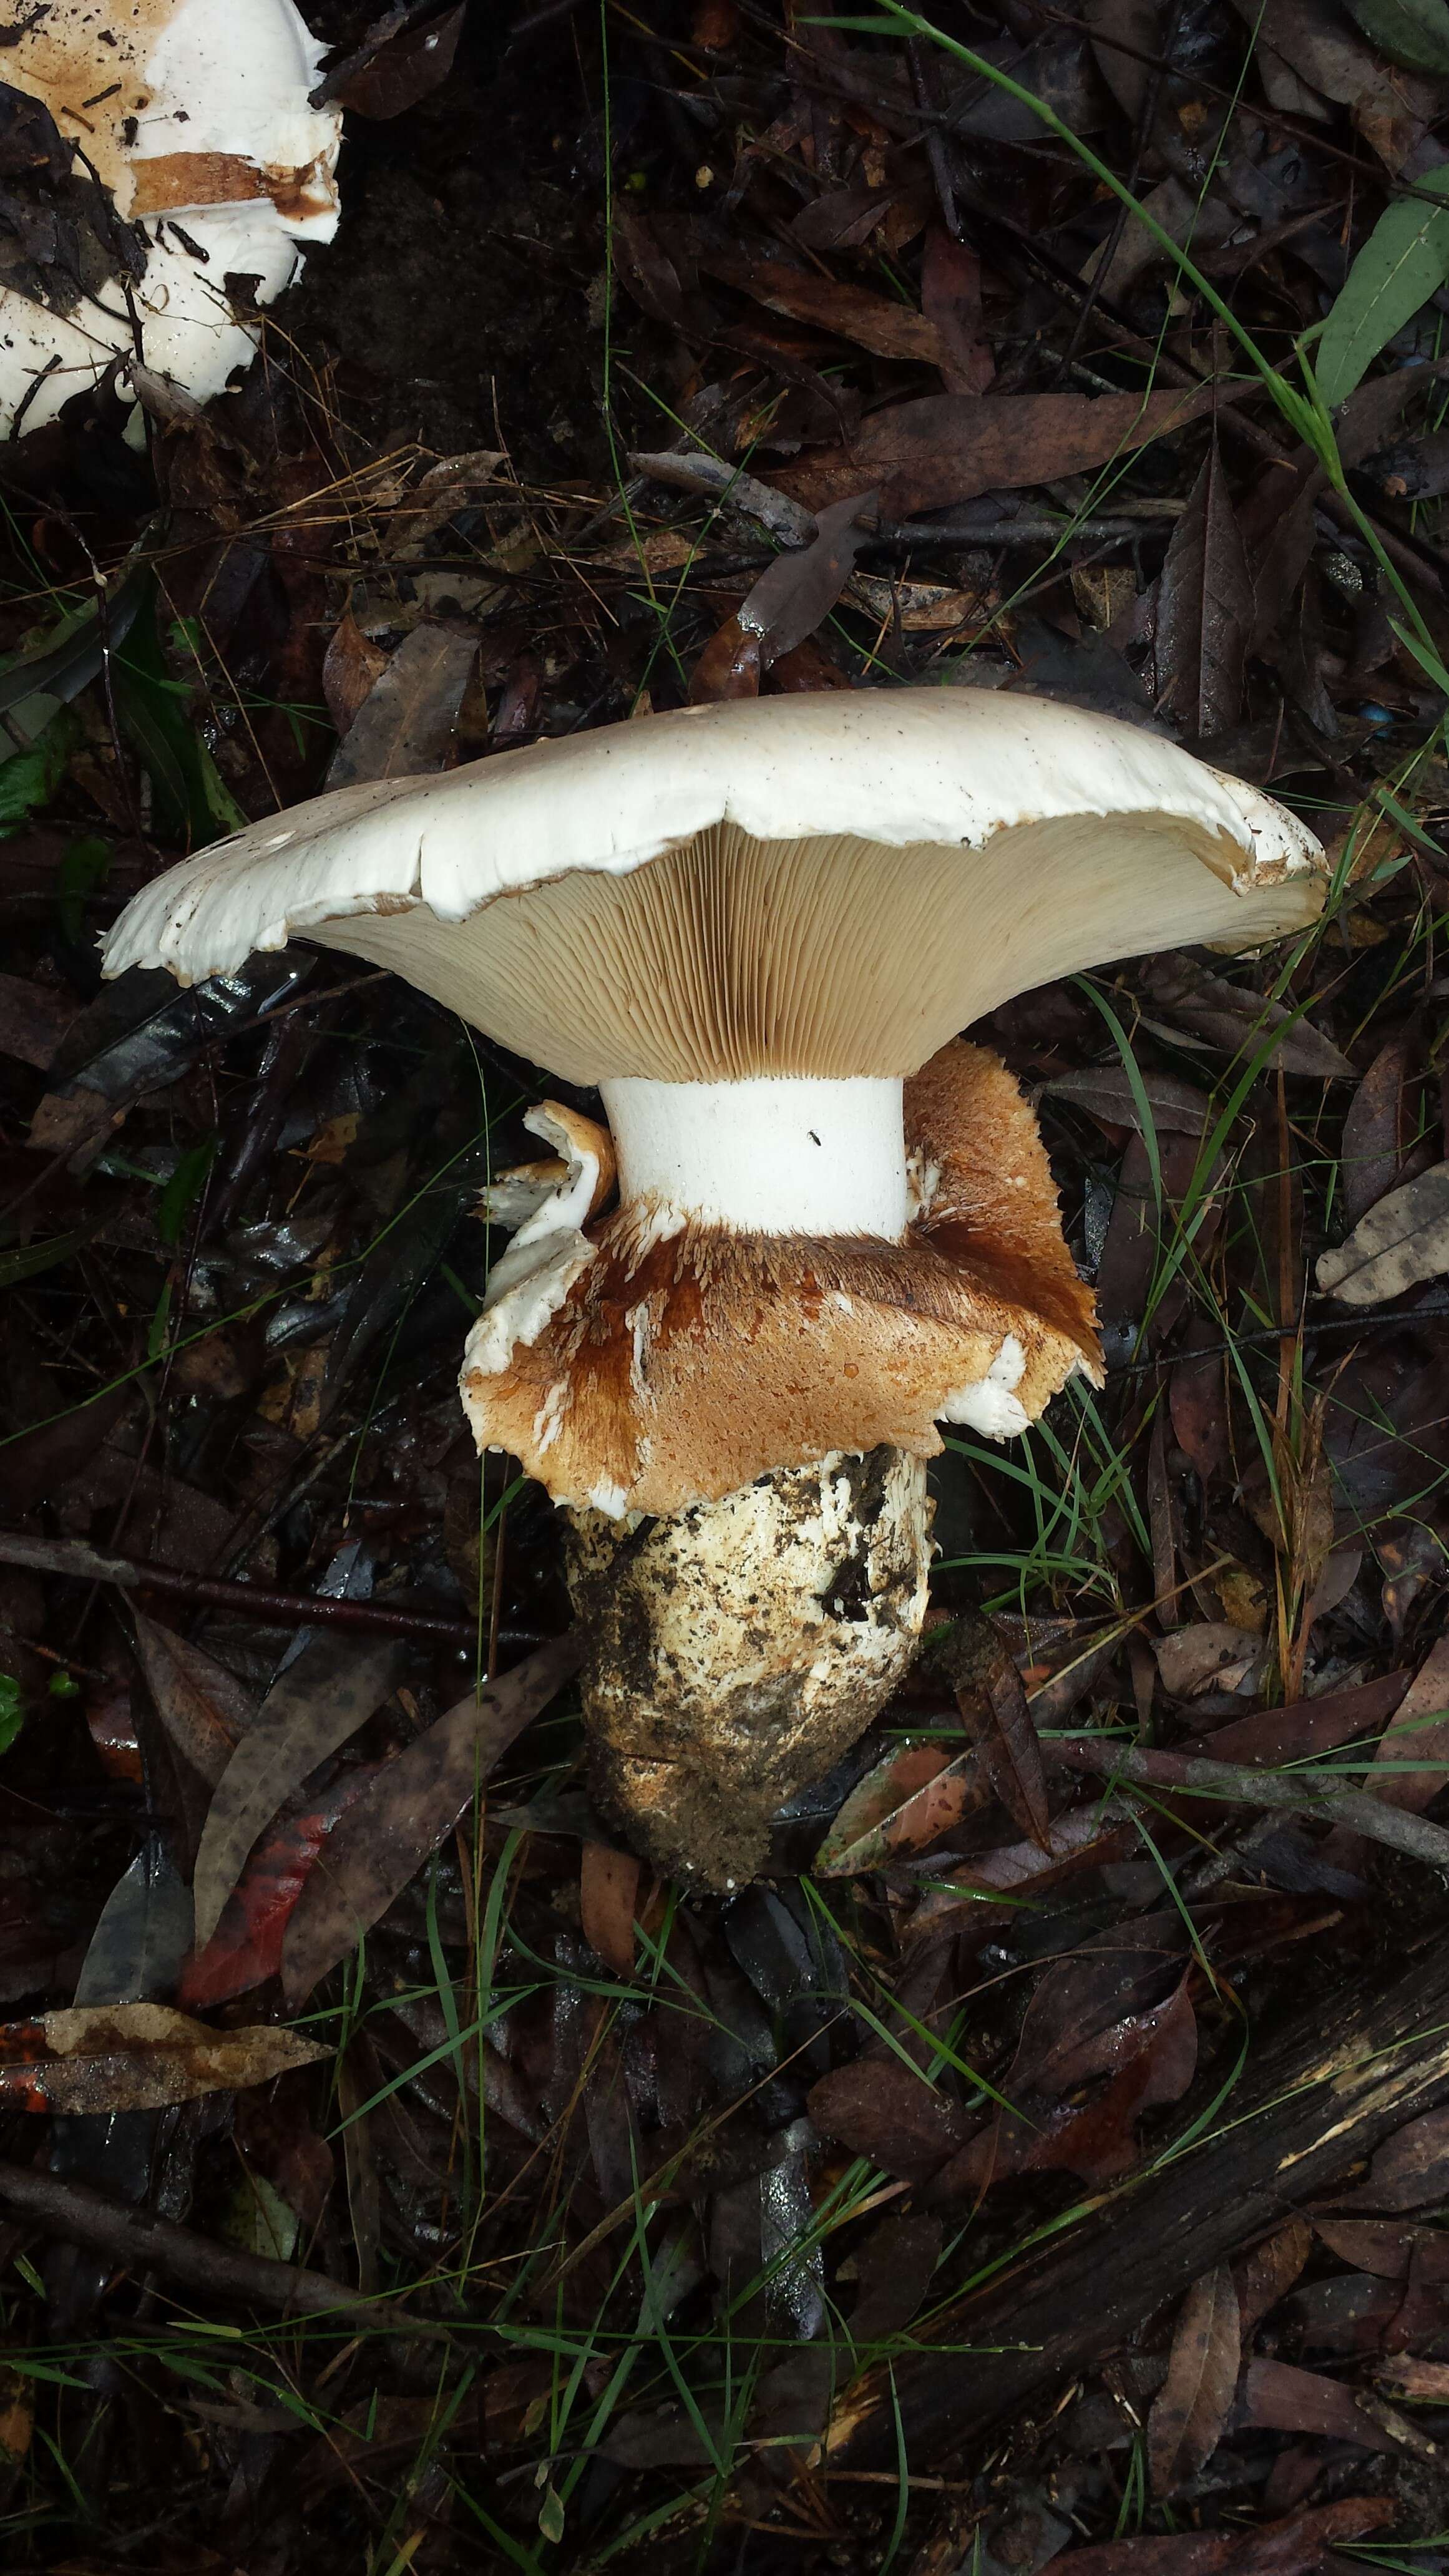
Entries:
{"x":738,"y":1649}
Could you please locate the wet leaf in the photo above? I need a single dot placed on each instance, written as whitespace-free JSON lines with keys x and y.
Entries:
{"x":246,"y":1946}
{"x":1204,"y":609}
{"x":790,"y":599}
{"x":404,"y":1814}
{"x":879,"y":2108}
{"x":1410,"y":2170}
{"x":203,"y":1707}
{"x":1266,"y":2275}
{"x":1404,"y":1238}
{"x":906,"y":1803}
{"x":1404,"y":261}
{"x":322,"y":1698}
{"x":729,"y":666}
{"x":1190,"y":2411}
{"x":608,"y":1895}
{"x":396,"y":75}
{"x":1295,"y":2546}
{"x":136,"y":2057}
{"x":948,"y":447}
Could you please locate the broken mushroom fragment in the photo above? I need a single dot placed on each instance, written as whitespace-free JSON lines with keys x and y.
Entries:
{"x":160,"y":170}
{"x":756,"y":928}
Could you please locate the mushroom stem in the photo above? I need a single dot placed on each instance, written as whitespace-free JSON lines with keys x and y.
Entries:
{"x":779,"y":1154}
{"x":739,"y":1648}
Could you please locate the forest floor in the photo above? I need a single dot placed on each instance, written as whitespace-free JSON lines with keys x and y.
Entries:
{"x":1046,"y":2159}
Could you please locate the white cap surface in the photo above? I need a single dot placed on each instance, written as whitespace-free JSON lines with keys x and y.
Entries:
{"x":193,"y":116}
{"x":828,"y":884}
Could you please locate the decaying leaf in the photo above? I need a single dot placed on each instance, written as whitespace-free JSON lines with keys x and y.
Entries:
{"x":608,"y":1891}
{"x":948,"y":447}
{"x":415,"y":1800}
{"x":1404,"y":1238}
{"x":906,"y":1803}
{"x":1204,"y":609}
{"x":137,"y":2057}
{"x":1191,"y":2408}
{"x":320,"y":1700}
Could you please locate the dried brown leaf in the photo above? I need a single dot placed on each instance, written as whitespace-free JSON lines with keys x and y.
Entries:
{"x":608,"y":1896}
{"x":136,"y":2057}
{"x":1204,"y":609}
{"x":416,"y":1799}
{"x":406,"y":723}
{"x":1190,"y":2410}
{"x":949,"y":447}
{"x":1404,"y":1238}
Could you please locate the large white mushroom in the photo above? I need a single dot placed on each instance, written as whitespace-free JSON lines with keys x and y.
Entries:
{"x":757,"y":929}
{"x":191,"y":120}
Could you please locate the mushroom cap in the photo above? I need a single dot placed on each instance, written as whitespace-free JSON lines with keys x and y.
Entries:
{"x":193,"y":118}
{"x":829,"y":884}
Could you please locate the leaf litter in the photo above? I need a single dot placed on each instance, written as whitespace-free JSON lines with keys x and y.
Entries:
{"x":662,"y":355}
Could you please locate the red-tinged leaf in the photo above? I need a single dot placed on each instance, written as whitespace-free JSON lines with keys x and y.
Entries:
{"x":1204,"y":609}
{"x":1191,"y":2408}
{"x":608,"y":1895}
{"x":906,"y":1803}
{"x":1156,"y":2058}
{"x":729,"y":666}
{"x":1266,"y":2275}
{"x":800,"y":588}
{"x":883,"y":2109}
{"x":951,"y":301}
{"x":873,"y":322}
{"x":321,"y":1699}
{"x":405,"y":1812}
{"x":1409,"y":2171}
{"x":396,"y":75}
{"x":136,"y":2057}
{"x":950,"y":447}
{"x":1296,"y":2546}
{"x":246,"y":1946}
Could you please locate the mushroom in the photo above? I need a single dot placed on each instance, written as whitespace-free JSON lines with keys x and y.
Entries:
{"x":756,"y":928}
{"x":169,"y":174}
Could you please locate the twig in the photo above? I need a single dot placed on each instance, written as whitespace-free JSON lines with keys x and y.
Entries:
{"x":139,"y":2242}
{"x":73,"y":1558}
{"x":1296,"y":1792}
{"x":743,"y":495}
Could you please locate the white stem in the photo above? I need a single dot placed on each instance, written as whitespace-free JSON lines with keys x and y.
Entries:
{"x":780,"y":1154}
